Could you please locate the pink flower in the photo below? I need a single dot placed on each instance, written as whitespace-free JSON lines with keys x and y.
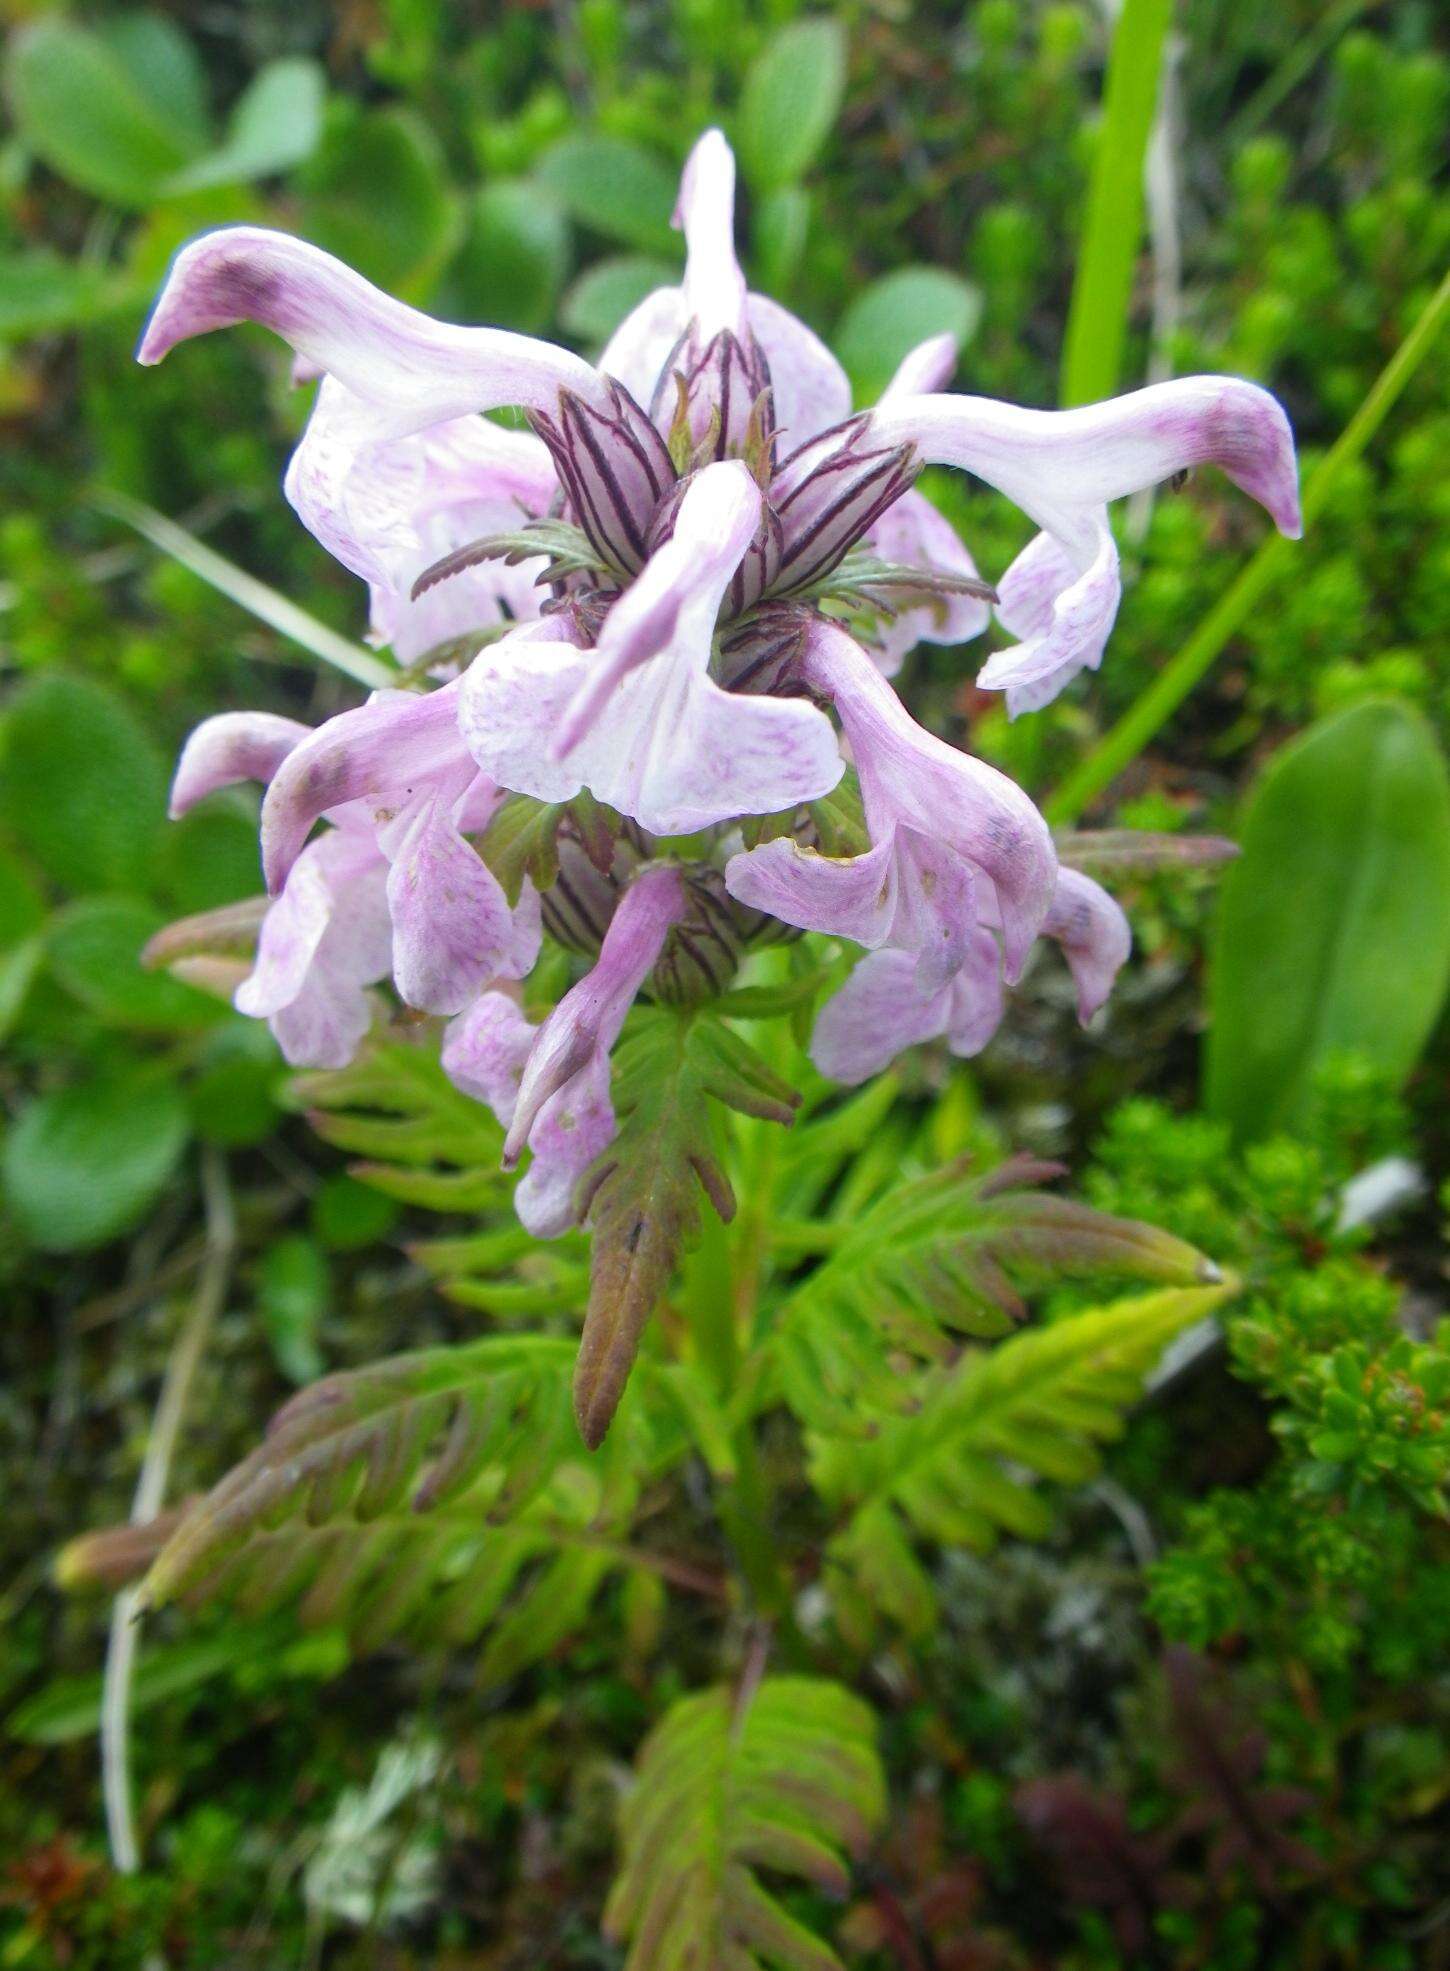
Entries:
{"x":1060,"y":595}
{"x":884,"y":1008}
{"x":638,"y":719}
{"x":953,"y":842}
{"x":550,"y":1084}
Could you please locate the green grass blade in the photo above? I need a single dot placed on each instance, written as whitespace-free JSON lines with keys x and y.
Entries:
{"x":1097,"y":322}
{"x":268,"y":605}
{"x":1136,"y":729}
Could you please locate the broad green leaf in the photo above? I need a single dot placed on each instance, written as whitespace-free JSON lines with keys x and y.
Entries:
{"x":792,"y":94}
{"x":615,"y":188}
{"x":94,"y":948}
{"x":514,"y":256}
{"x":600,"y":299}
{"x":233,"y":1093}
{"x":78,"y":105}
{"x":85,"y":1163}
{"x":276,"y":123}
{"x":210,"y":856}
{"x":779,"y":226}
{"x":891,"y":316}
{"x":20,"y":966}
{"x":377,"y":196}
{"x":166,"y":70}
{"x":784,"y":1777}
{"x":82,"y":784}
{"x":22,"y":911}
{"x":1334,"y":930}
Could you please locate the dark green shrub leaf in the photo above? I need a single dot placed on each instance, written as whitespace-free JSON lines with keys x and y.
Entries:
{"x":115,"y":115}
{"x":514,"y":256}
{"x":894,"y":314}
{"x":95,"y":953}
{"x":791,"y":96}
{"x":615,"y":188}
{"x":82,"y":785}
{"x":599,"y":300}
{"x":43,"y":294}
{"x":276,"y":123}
{"x":1334,"y":930}
{"x":85,"y":1163}
{"x":377,"y":196}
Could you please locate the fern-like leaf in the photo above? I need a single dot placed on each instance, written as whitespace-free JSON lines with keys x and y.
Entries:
{"x":784,"y":1777}
{"x":418,"y":1139}
{"x":960,"y":1470}
{"x":644,"y":1195}
{"x":928,"y":1262}
{"x":439,"y":1494}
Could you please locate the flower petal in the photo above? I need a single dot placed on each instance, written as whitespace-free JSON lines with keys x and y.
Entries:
{"x":484,"y":1051}
{"x":1053,"y":464}
{"x":1063,"y":613}
{"x":230,"y":747}
{"x":910,"y":778}
{"x":587,"y":1020}
{"x":811,"y":390}
{"x":878,"y":1013}
{"x":840,"y":896}
{"x":323,"y":942}
{"x":410,"y":370}
{"x":381,"y":752}
{"x":571,"y":1130}
{"x":1094,"y":935}
{"x":714,"y":287}
{"x":927,"y":367}
{"x":452,"y":926}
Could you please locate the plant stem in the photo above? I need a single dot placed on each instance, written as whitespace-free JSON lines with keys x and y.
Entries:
{"x":1121,"y":746}
{"x":1097,"y":322}
{"x":267,"y":604}
{"x":125,"y":1634}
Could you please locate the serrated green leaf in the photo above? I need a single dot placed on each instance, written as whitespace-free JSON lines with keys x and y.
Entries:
{"x":644,"y":1194}
{"x":938,"y":1257}
{"x":1334,"y":927}
{"x":784,"y":1777}
{"x":958,"y":1468}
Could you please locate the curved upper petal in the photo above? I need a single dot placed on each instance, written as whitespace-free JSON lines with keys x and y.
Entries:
{"x":230,"y":747}
{"x":1094,"y":935}
{"x":410,"y":370}
{"x":926,"y":368}
{"x":1055,"y":463}
{"x":714,"y":287}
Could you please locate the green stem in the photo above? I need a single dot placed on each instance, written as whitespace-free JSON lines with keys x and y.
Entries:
{"x":1097,"y":322}
{"x":1136,"y":729}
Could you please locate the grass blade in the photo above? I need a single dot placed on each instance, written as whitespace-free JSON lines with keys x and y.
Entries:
{"x":1097,"y":322}
{"x":268,"y":605}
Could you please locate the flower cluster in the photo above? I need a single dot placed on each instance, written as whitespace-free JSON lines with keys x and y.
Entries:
{"x":677,"y":599}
